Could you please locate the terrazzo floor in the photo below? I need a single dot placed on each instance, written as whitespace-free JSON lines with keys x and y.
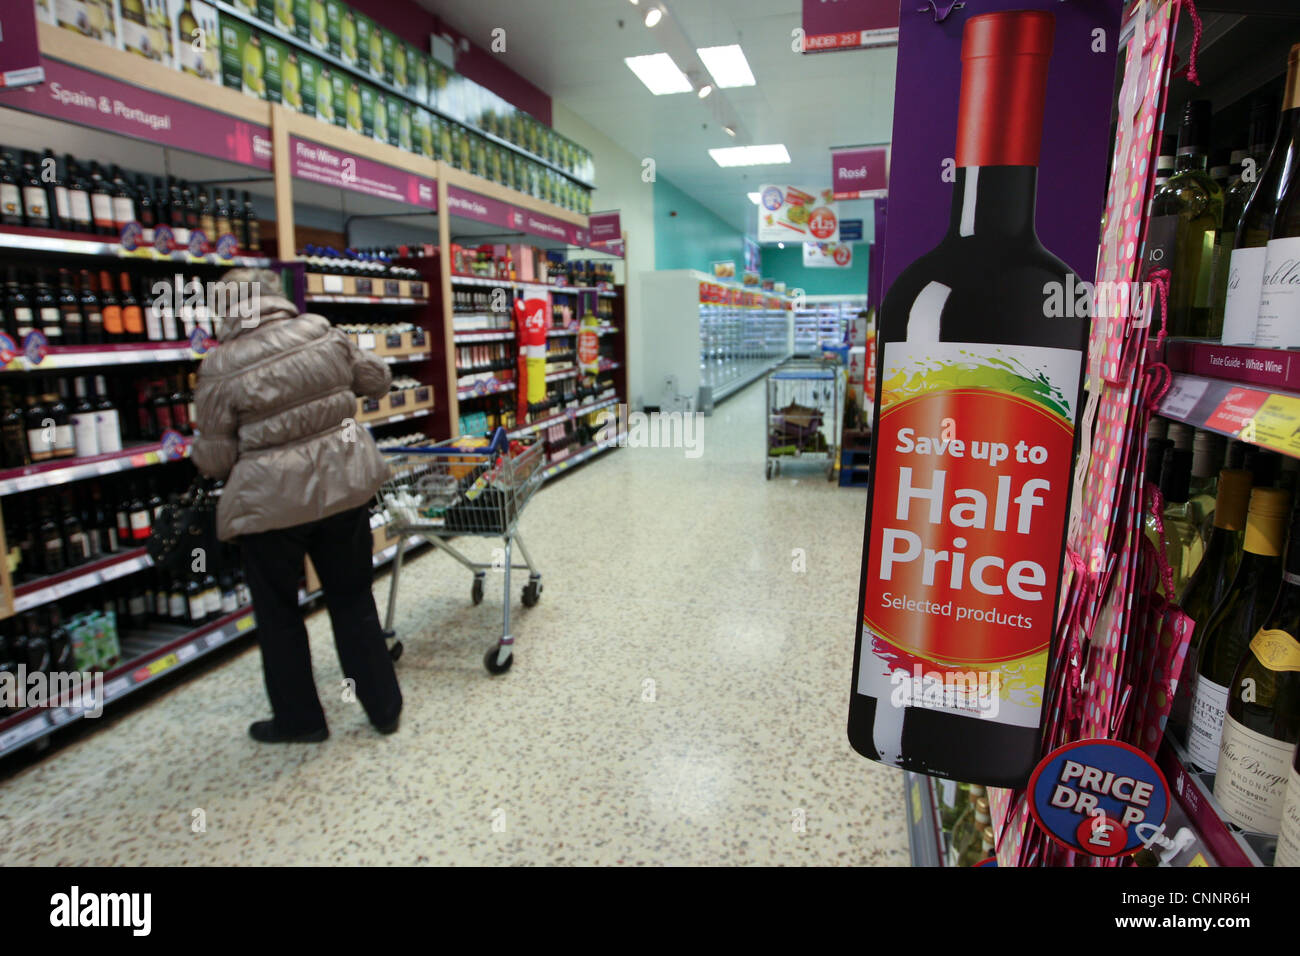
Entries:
{"x":678,"y":697}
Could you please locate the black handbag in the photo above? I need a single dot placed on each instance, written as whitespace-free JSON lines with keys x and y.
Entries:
{"x":184,"y":526}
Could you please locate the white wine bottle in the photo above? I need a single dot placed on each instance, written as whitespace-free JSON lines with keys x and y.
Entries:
{"x":1278,"y":322}
{"x":1236,"y":620}
{"x":1262,"y":724}
{"x":1288,"y":834}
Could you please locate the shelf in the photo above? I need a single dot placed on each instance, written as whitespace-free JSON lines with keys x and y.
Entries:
{"x":322,"y":298}
{"x":469,"y":338}
{"x":400,"y":417}
{"x":569,"y":414}
{"x":560,"y":376}
{"x":81,"y":578}
{"x":587,"y":453}
{"x":480,"y":281}
{"x":468,"y":393}
{"x":401,"y":359}
{"x":291,"y":40}
{"x":1194,"y":792}
{"x":31,"y":477}
{"x":172,"y":648}
{"x":23,"y":239}
{"x":1262,"y":416}
{"x":97,"y":356}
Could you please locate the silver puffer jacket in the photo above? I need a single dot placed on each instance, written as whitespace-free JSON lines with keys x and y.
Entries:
{"x":274,"y":407}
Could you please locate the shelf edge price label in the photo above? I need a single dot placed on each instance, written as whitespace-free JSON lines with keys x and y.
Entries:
{"x":1099,"y":797}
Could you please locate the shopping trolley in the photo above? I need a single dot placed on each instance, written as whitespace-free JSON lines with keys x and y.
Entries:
{"x":445,"y":490}
{"x":805,"y":399}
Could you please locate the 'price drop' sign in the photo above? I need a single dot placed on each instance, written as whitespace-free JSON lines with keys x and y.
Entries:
{"x":1100,"y":797}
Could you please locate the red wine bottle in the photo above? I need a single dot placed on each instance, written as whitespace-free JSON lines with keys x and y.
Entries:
{"x":972,"y":449}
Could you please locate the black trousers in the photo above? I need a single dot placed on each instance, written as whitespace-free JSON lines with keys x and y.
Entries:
{"x":340,"y":551}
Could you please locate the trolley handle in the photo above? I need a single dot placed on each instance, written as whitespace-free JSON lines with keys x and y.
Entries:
{"x":499,"y":445}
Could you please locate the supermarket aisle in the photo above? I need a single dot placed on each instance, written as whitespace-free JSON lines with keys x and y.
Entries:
{"x":694,"y":730}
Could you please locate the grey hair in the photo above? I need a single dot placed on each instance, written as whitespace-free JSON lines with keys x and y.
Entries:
{"x":268,"y":280}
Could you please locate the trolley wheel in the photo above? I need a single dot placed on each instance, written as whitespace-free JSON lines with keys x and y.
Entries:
{"x":395,"y":652}
{"x":476,"y":591}
{"x":490,"y":661}
{"x":532,"y":593}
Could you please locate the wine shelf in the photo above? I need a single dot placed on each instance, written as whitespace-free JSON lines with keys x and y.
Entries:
{"x":66,"y":357}
{"x":25,"y":239}
{"x":46,"y":474}
{"x":564,"y":416}
{"x":468,"y":393}
{"x":585,"y":454}
{"x":81,"y":578}
{"x":322,"y":298}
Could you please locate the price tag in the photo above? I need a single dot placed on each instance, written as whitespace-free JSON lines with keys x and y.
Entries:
{"x":1277,"y":424}
{"x":1183,"y":397}
{"x":245,"y":623}
{"x":186,"y":652}
{"x":366,"y":340}
{"x":28,"y":482}
{"x":115,"y":688}
{"x":24,"y":732}
{"x":332,"y":283}
{"x":35,"y":599}
{"x":112,"y":466}
{"x":162,"y":664}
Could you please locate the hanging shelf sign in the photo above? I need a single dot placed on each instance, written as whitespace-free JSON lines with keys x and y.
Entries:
{"x":334,"y":167}
{"x":90,"y":99}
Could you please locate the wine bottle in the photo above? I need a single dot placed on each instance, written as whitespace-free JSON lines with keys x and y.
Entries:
{"x":1209,"y":583}
{"x":79,"y":206}
{"x":977,"y":298}
{"x":84,"y":428}
{"x":48,"y":316}
{"x":107,"y":423}
{"x":1262,"y":724}
{"x":1235,"y":622}
{"x":13,"y":433}
{"x":1183,"y":546}
{"x":62,"y":217}
{"x":75,"y":540}
{"x":132,"y":314}
{"x":252,"y":237}
{"x":1278,"y":322}
{"x":1207,"y":460}
{"x":65,"y":442}
{"x":110,"y":310}
{"x":70,"y":315}
{"x":92,"y":316}
{"x":123,"y":201}
{"x":36,"y":200}
{"x":1288,"y":835}
{"x":1189,"y":210}
{"x":101,"y":201}
{"x":11,"y":194}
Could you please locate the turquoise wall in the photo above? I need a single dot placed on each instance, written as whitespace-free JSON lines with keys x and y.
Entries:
{"x":694,"y":238}
{"x":786,"y":265}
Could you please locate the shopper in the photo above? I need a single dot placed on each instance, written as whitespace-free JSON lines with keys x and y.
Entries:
{"x":275,"y":407}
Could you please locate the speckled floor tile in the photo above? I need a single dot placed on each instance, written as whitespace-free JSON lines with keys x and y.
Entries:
{"x":679,"y":697}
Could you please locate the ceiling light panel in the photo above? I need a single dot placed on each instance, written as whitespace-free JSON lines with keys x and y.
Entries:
{"x":728,"y":65}
{"x":771,"y":154}
{"x":659,"y":73}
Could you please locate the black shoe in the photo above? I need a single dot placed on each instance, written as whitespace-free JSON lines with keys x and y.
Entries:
{"x":265,"y":732}
{"x":390,"y":727}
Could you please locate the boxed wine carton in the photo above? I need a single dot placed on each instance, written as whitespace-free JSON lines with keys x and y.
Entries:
{"x":399,"y":121}
{"x":388,"y":45}
{"x":417,"y":72}
{"x":373,"y":112}
{"x":338,"y":95}
{"x":334,"y":16}
{"x":144,"y":29}
{"x":364,"y":29}
{"x":275,"y":59}
{"x":197,"y":36}
{"x":309,"y":69}
{"x":352,"y":115}
{"x":276,"y":13}
{"x":242,"y":63}
{"x":97,"y":19}
{"x":421,"y":133}
{"x":302,"y":19}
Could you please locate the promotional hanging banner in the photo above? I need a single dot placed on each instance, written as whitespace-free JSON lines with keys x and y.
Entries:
{"x":753,"y":256}
{"x":978,"y":382}
{"x":20,"y":51}
{"x":860,"y":173}
{"x":790,"y":213}
{"x":827,"y":255}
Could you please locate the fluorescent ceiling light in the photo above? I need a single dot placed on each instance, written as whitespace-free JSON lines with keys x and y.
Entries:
{"x":653,"y":16}
{"x":659,"y":73}
{"x":728,"y":65}
{"x":755,"y":198}
{"x":705,"y":90}
{"x":769,"y":155}
{"x":780,"y":245}
{"x":730,"y":130}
